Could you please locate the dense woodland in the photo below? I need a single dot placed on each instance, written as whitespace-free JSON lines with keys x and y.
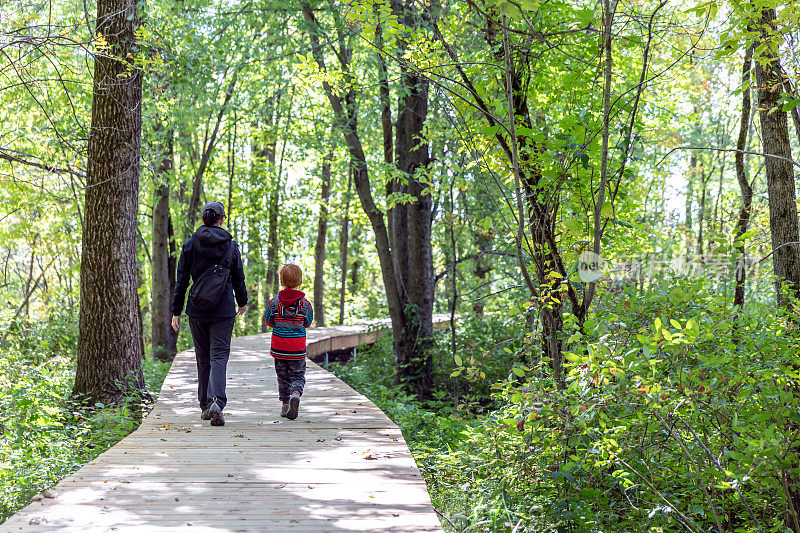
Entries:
{"x":600,"y":193}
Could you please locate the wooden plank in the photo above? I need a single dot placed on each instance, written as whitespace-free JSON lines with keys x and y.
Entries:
{"x":341,"y":466}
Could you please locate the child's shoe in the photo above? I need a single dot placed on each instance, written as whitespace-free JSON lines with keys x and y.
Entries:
{"x":284,"y":410}
{"x":294,"y":405}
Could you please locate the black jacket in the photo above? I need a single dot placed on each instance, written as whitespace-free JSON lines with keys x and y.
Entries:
{"x":201,"y":251}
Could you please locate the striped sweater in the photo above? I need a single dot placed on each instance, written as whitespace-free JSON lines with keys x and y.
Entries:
{"x":289,"y":314}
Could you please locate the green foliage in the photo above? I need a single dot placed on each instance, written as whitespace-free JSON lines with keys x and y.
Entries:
{"x":664,"y":419}
{"x":45,"y":434}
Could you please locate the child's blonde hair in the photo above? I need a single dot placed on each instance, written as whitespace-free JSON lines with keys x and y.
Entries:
{"x":290,"y":276}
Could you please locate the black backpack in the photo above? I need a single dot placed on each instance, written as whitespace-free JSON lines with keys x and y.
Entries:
{"x":207,"y":290}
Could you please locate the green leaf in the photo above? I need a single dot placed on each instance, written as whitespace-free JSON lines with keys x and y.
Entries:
{"x":791,"y":104}
{"x":459,"y":361}
{"x":490,"y":131}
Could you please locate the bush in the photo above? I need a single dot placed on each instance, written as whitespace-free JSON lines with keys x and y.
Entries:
{"x":667,"y":422}
{"x":670,"y":421}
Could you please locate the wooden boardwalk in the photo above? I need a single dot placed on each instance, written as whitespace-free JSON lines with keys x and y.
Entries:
{"x":341,"y":466}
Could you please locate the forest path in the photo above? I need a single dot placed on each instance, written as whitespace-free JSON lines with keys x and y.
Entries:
{"x":341,"y":466}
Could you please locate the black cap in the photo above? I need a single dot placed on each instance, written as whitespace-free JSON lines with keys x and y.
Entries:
{"x":216,"y":207}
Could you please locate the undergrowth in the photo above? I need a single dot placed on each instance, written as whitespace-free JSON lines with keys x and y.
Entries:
{"x":44,"y":434}
{"x":669,"y":421}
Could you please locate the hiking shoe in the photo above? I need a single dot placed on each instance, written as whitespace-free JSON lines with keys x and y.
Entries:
{"x":215,"y":414}
{"x":294,"y":405}
{"x":205,"y":415}
{"x":284,"y":410}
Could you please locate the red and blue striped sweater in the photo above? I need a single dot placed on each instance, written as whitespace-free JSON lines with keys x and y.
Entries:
{"x":289,"y":314}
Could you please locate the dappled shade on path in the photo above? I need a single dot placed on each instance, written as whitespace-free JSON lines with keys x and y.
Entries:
{"x":341,"y":466}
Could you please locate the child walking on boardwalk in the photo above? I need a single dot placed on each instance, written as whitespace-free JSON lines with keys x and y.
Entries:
{"x":289,"y":314}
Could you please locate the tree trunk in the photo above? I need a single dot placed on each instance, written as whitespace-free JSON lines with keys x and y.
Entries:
{"x":777,"y":162}
{"x":161,"y":332}
{"x":172,"y":267}
{"x":319,"y":247}
{"x":358,"y":253}
{"x":412,"y":250}
{"x":386,"y":129}
{"x":719,"y":223}
{"x":701,"y":218}
{"x":231,"y":169}
{"x":411,"y":245}
{"x":109,"y":356}
{"x":141,"y":311}
{"x":451,"y":230}
{"x":690,"y":193}
{"x":386,"y":107}
{"x":270,"y":153}
{"x":482,"y":239}
{"x":344,"y":240}
{"x":744,"y":185}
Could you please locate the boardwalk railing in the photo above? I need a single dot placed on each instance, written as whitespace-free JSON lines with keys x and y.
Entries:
{"x":341,"y":466}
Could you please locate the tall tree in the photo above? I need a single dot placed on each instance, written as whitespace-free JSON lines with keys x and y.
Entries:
{"x":163,"y":337}
{"x":744,"y":184}
{"x":778,"y":158}
{"x":344,"y":244}
{"x":406,"y":241}
{"x":322,"y":234}
{"x":411,"y":245}
{"x":109,"y":354}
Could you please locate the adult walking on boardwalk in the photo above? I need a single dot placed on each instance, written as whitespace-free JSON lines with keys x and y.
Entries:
{"x":212,"y":259}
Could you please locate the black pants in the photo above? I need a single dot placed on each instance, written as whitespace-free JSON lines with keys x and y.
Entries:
{"x":212,"y":348}
{"x":291,"y":377}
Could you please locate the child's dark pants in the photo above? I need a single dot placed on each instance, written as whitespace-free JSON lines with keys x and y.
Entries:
{"x":291,"y":377}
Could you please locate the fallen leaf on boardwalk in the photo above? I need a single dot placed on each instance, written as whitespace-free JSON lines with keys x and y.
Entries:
{"x":165,"y":440}
{"x":395,"y":514}
{"x":37,"y":498}
{"x":370,"y":457}
{"x":310,"y":486}
{"x":338,"y":438}
{"x":48,"y":494}
{"x":371,"y":495}
{"x":276,"y":421}
{"x":240,"y":436}
{"x":230,"y":475}
{"x":280,"y":486}
{"x":335,"y":414}
{"x":320,"y":440}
